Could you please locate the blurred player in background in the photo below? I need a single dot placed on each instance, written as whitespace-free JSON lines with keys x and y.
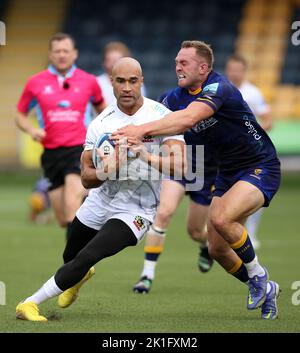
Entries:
{"x":39,"y":202}
{"x":117,"y":212}
{"x":112,"y":52}
{"x":172,"y":192}
{"x":63,"y":96}
{"x":248,"y":168}
{"x":236,"y":72}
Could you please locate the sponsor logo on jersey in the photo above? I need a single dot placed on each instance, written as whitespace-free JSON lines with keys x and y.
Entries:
{"x":251,"y":129}
{"x":139,"y":222}
{"x":160,"y":109}
{"x":204,"y":124}
{"x":212,"y":88}
{"x":64,"y":104}
{"x":48,"y":90}
{"x":256,"y":173}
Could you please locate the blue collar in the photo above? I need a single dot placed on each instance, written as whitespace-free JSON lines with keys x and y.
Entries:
{"x":70,"y":72}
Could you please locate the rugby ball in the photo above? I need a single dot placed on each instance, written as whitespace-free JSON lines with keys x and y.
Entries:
{"x":103,"y":145}
{"x":106,"y":147}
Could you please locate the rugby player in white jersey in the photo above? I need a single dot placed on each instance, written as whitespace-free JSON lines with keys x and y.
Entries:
{"x":118,"y":211}
{"x":236,"y":72}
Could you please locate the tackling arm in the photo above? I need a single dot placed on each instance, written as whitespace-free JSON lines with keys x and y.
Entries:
{"x":172,"y":124}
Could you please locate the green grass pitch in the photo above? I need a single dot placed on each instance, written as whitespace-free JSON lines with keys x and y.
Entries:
{"x":182,"y":299}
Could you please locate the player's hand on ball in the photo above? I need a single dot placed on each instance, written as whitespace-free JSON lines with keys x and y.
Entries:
{"x":111,"y":163}
{"x":137,"y":148}
{"x":120,"y":152}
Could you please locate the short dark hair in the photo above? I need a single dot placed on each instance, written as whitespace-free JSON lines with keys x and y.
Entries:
{"x":239,"y":58}
{"x":116,"y":46}
{"x":202,"y":49}
{"x":61,"y":36}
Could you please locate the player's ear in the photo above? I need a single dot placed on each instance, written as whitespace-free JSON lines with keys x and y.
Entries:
{"x":142,"y":79}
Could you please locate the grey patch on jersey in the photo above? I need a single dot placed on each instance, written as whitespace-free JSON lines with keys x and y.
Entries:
{"x":204,"y":124}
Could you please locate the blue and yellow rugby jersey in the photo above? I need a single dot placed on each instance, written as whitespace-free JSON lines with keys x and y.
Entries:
{"x":238,"y":141}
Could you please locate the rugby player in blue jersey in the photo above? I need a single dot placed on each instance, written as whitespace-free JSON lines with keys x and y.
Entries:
{"x":248,"y":168}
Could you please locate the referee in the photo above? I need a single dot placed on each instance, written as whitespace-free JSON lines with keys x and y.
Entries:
{"x":63,"y":96}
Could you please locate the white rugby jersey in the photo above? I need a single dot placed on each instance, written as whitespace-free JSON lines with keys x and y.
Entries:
{"x":254,"y":98}
{"x":139,"y":191}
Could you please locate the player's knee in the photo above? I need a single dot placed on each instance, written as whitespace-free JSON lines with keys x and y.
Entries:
{"x":195,"y":233}
{"x":164,"y":215}
{"x":219,"y":221}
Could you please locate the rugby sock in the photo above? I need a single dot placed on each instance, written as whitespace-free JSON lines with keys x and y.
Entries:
{"x":244,"y":249}
{"x":68,"y":231}
{"x":151,"y":256}
{"x":254,"y":268}
{"x":239,"y":271}
{"x":47,"y":291}
{"x":152,"y":253}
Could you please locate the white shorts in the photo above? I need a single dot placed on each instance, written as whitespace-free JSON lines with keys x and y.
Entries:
{"x":95,"y":216}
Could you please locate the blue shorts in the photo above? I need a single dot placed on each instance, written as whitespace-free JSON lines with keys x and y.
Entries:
{"x":266,"y":177}
{"x":203,"y":196}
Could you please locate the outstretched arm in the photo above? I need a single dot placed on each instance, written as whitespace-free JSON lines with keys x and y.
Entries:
{"x":172,"y":124}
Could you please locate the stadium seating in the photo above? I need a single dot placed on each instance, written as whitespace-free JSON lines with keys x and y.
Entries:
{"x":259,"y":29}
{"x":154,"y":31}
{"x":265,"y":41}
